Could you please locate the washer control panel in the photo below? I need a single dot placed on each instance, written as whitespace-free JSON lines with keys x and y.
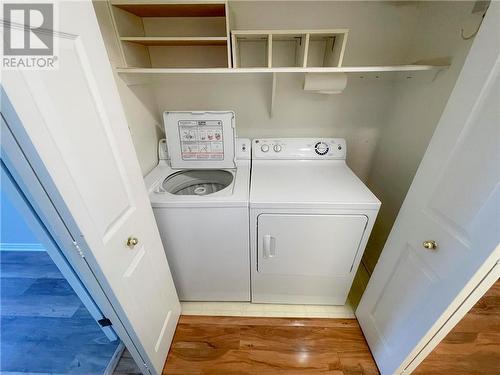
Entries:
{"x":299,"y":148}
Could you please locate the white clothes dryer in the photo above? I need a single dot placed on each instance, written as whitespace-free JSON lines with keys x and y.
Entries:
{"x":310,"y":219}
{"x":199,"y":193}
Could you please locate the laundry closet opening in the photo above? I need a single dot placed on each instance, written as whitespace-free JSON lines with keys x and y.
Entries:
{"x":386,"y":114}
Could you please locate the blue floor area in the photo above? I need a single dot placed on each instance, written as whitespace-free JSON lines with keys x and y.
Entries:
{"x":45,"y":328}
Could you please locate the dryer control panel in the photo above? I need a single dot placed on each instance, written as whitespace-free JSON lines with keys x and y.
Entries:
{"x":299,"y":148}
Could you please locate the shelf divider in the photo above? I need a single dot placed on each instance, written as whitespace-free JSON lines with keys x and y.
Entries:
{"x":270,"y":51}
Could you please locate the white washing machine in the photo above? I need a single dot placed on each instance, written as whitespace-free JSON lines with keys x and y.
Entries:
{"x":199,"y":194}
{"x":310,"y":219}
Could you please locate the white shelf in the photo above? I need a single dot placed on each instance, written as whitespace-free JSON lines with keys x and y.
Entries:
{"x":173,"y":9}
{"x":141,"y":76}
{"x":344,"y":69}
{"x":177,"y":41}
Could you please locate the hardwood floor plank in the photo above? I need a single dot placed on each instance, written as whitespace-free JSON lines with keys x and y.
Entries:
{"x":229,"y":345}
{"x":44,"y":327}
{"x":215,"y":337}
{"x":126,"y":365}
{"x":256,"y":362}
{"x":317,"y":339}
{"x":359,"y":361}
{"x":473,"y":345}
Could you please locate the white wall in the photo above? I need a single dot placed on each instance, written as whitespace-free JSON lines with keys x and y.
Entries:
{"x":415,"y":112}
{"x":356,"y":115}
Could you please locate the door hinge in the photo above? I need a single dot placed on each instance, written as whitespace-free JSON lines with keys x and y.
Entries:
{"x":105,"y":322}
{"x":78,"y":249}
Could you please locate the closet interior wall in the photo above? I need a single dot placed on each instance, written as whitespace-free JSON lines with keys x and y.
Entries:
{"x":387,"y":122}
{"x":416,"y":110}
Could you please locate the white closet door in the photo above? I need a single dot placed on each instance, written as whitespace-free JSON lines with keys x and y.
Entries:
{"x":453,"y":201}
{"x":75,"y":120}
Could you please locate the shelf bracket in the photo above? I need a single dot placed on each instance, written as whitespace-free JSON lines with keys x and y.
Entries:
{"x":273,"y":94}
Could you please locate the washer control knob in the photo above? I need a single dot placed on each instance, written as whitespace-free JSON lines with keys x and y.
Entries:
{"x":321,"y":148}
{"x":277,"y":148}
{"x":264,"y":148}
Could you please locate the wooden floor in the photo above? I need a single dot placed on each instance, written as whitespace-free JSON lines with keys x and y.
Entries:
{"x":226,"y":345}
{"x":126,"y":365}
{"x":44,"y":327}
{"x":473,"y":345}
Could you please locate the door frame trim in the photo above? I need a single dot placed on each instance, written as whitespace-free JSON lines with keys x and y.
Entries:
{"x":37,"y":185}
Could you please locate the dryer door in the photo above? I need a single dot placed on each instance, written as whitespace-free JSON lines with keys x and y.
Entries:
{"x":306,"y":258}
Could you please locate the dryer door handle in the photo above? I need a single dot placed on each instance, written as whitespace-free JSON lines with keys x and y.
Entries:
{"x":269,"y":246}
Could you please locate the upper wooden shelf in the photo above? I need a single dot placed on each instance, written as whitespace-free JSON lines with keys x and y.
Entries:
{"x":172,"y":10}
{"x":177,"y":41}
{"x":170,"y":34}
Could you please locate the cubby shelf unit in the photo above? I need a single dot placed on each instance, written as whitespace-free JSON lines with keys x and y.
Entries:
{"x":166,"y":34}
{"x":288,"y":48}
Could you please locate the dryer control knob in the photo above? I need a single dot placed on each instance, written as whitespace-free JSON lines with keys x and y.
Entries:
{"x":277,"y":148}
{"x":264,"y":148}
{"x":321,"y":148}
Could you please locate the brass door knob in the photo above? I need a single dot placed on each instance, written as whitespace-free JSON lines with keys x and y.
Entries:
{"x":430,"y":245}
{"x":132,"y":241}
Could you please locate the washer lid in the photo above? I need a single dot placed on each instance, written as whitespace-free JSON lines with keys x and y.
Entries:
{"x":200,"y":139}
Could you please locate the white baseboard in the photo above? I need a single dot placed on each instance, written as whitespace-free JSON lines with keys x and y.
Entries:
{"x":267,"y":310}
